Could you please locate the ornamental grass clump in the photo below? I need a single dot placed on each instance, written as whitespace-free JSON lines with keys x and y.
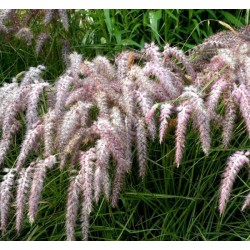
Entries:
{"x":98,"y":112}
{"x":21,"y":23}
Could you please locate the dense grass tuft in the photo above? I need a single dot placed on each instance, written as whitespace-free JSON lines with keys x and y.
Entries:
{"x":171,"y":203}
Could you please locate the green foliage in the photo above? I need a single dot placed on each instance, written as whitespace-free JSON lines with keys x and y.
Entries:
{"x":171,"y":203}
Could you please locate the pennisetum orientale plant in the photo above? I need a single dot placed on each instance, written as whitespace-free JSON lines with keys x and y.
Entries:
{"x":98,"y":112}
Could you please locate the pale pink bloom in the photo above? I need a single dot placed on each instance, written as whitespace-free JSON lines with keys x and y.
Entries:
{"x":75,"y":63}
{"x":180,"y":134}
{"x":49,"y":128}
{"x":72,"y":206}
{"x":152,"y":53}
{"x":22,"y":192}
{"x":64,"y":18}
{"x":234,"y":165}
{"x":166,"y":111}
{"x":85,"y":216}
{"x":246,"y":202}
{"x":6,"y":140}
{"x":199,"y":110}
{"x":5,"y":15}
{"x":75,"y":96}
{"x":141,"y":143}
{"x":32,"y":116}
{"x":77,"y":116}
{"x":128,"y":98}
{"x":169,"y":52}
{"x":37,"y":184}
{"x":102,"y":102}
{"x":49,"y":14}
{"x":33,"y":75}
{"x":32,"y":138}
{"x":62,"y":91}
{"x":17,"y":104}
{"x":247,"y":70}
{"x":25,"y":34}
{"x":122,"y":64}
{"x":6,"y":190}
{"x":101,"y":176}
{"x":73,"y":144}
{"x":117,"y":183}
{"x":145,"y":102}
{"x":242,"y":98}
{"x":213,"y":99}
{"x":7,"y":93}
{"x":104,"y":67}
{"x":228,"y":122}
{"x":164,"y":77}
{"x":116,"y":144}
{"x":87,"y":163}
{"x":40,"y":41}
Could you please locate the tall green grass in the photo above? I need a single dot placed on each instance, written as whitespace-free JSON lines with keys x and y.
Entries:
{"x":171,"y":203}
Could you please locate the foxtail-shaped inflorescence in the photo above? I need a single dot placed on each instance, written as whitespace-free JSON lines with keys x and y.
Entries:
{"x":99,"y":113}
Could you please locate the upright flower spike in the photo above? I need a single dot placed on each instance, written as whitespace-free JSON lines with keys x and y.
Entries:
{"x":117,"y":184}
{"x":141,"y":142}
{"x":75,"y":62}
{"x":62,"y":90}
{"x":6,"y":190}
{"x":64,"y":17}
{"x":87,"y":166}
{"x":40,"y":41}
{"x":164,"y":77}
{"x":22,"y":192}
{"x":73,"y":145}
{"x":183,"y":116}
{"x":242,"y":97}
{"x":116,"y":144}
{"x":234,"y":165}
{"x":85,"y":216}
{"x":25,"y":34}
{"x":33,"y":75}
{"x":145,"y":102}
{"x":151,"y":113}
{"x":65,"y":51}
{"x":32,"y":104}
{"x":3,"y":16}
{"x":128,"y":99}
{"x":31,"y":140}
{"x":247,"y":70}
{"x":6,"y":140}
{"x":16,"y":105}
{"x":72,"y":121}
{"x":104,"y":67}
{"x":229,"y":122}
{"x":214,"y":96}
{"x":169,"y":52}
{"x":122,"y":62}
{"x":7,"y":92}
{"x":49,"y":128}
{"x":72,"y":207}
{"x":197,"y":105}
{"x":87,"y":162}
{"x":166,"y":111}
{"x":117,"y":120}
{"x":49,"y":14}
{"x":246,"y":202}
{"x":37,"y":185}
{"x":152,"y":53}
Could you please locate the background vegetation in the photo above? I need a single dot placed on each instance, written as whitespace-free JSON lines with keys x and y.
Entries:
{"x":171,"y":203}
